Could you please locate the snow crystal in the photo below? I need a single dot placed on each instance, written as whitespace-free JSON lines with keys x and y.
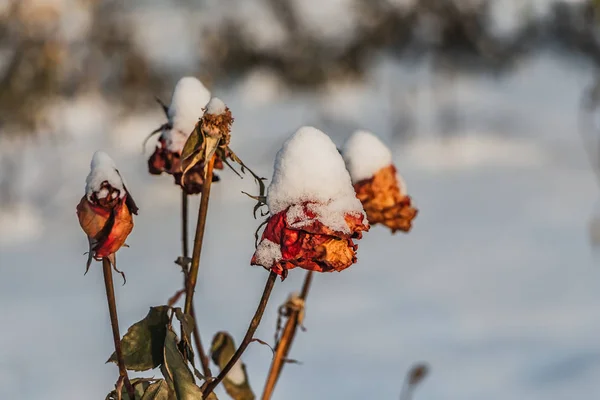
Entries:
{"x":267,"y":253}
{"x":308,"y":168}
{"x":102,"y":168}
{"x":365,"y":154}
{"x":187,"y":103}
{"x":215,"y":106}
{"x":236,"y":373}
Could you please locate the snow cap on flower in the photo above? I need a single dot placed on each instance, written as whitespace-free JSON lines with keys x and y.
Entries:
{"x":364,"y":155}
{"x":379,"y":187}
{"x":105,"y":211}
{"x":189,"y":99}
{"x":314,"y":212}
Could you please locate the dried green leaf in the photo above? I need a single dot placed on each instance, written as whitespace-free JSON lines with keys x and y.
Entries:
{"x":187,"y":327}
{"x":158,"y":391}
{"x":236,"y":382}
{"x":140,"y":385}
{"x":177,"y":369}
{"x":192,"y":145}
{"x":142,"y":345}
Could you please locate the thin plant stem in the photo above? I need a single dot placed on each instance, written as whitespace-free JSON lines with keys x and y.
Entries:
{"x":184,"y":224}
{"x":285,"y":343}
{"x":185,"y":250}
{"x":114,"y":321}
{"x":209,"y":386}
{"x":202,"y":213}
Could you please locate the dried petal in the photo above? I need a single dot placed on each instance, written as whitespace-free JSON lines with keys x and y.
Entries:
{"x":167,"y":161}
{"x":384,"y":201}
{"x":312,"y":246}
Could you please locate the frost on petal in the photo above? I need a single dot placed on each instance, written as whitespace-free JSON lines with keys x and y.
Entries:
{"x":267,"y":253}
{"x":315,"y":215}
{"x":364,"y":155}
{"x":308,"y":168}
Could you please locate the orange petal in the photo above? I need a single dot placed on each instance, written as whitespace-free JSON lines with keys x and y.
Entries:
{"x":384,"y":202}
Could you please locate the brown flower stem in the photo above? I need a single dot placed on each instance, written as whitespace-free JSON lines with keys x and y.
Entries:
{"x":202,"y":213}
{"x":114,"y":321}
{"x":209,"y":386}
{"x":184,"y":223}
{"x":285,"y":343}
{"x":185,"y":249}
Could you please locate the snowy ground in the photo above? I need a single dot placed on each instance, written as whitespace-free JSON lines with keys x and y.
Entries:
{"x":496,"y":287}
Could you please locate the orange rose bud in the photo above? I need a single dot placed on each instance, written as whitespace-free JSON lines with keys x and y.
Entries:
{"x":105,"y":211}
{"x":187,"y":107}
{"x":315,"y":215}
{"x":377,"y":184}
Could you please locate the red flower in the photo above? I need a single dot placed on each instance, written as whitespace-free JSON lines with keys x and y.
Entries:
{"x":315,"y":215}
{"x":105,"y":212}
{"x":311,"y":245}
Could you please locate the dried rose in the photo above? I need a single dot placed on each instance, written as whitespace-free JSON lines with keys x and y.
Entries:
{"x":187,"y":107}
{"x":211,"y":135}
{"x":378,"y":186}
{"x":315,"y":215}
{"x":105,"y":211}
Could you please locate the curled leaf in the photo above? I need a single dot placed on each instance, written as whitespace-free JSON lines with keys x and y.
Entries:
{"x":177,"y":369}
{"x":236,"y":382}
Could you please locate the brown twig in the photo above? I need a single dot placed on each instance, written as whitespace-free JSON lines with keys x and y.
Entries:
{"x":114,"y":321}
{"x":185,"y":249}
{"x":282,"y":348}
{"x":202,"y":213}
{"x":208,"y":387}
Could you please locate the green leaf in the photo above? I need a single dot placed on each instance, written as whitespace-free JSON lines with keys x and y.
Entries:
{"x":177,"y":369}
{"x":236,"y":382}
{"x":142,"y":345}
{"x":158,"y":391}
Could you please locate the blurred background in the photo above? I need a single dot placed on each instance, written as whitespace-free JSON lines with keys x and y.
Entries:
{"x":489,"y":107}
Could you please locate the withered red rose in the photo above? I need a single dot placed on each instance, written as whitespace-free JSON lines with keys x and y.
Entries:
{"x":165,"y":160}
{"x":107,"y":220}
{"x":384,"y":201}
{"x":313,"y":246}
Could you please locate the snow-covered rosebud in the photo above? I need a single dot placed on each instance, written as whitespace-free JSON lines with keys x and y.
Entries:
{"x":105,"y":211}
{"x":314,"y":212}
{"x":379,"y":187}
{"x":190,"y":98}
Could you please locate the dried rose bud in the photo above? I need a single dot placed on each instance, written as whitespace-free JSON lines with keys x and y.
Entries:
{"x":378,"y":185}
{"x":211,"y":136}
{"x":315,"y":215}
{"x":189,"y":99}
{"x":105,"y":212}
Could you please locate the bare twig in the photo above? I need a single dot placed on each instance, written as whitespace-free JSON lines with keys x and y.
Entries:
{"x":282,"y":348}
{"x":184,"y":243}
{"x":114,"y":321}
{"x":208,"y":387}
